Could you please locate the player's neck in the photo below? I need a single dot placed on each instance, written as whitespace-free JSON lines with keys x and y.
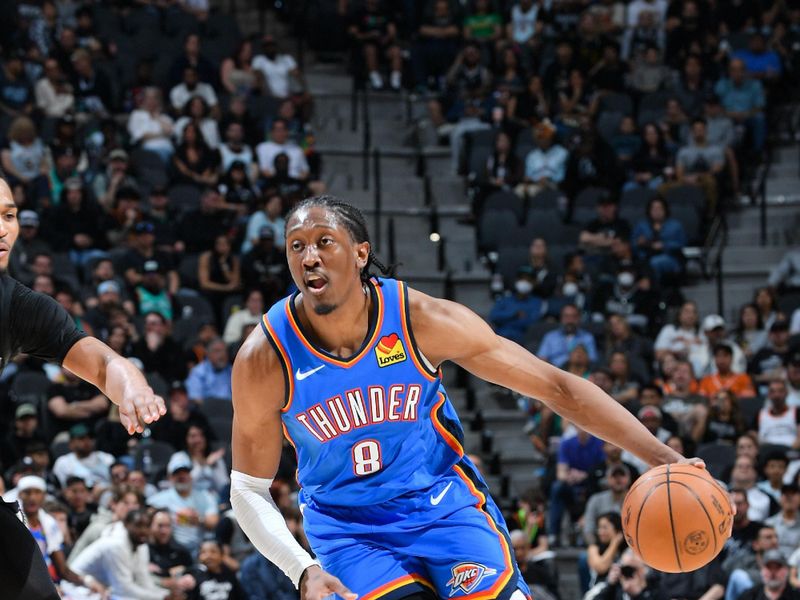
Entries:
{"x":342,"y":331}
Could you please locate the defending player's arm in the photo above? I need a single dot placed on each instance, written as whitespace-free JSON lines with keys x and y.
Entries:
{"x":258,"y":396}
{"x":42,"y":328}
{"x":449,"y":331}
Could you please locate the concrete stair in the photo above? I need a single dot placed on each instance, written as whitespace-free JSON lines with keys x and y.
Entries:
{"x":745,"y":263}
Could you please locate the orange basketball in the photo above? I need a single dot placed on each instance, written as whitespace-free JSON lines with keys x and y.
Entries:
{"x":676,"y":518}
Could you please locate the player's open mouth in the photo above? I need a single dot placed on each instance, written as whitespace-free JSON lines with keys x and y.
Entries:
{"x":315,"y":284}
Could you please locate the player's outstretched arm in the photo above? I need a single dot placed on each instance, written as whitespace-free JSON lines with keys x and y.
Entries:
{"x":119,"y":379}
{"x":258,"y":396}
{"x":446,"y":330}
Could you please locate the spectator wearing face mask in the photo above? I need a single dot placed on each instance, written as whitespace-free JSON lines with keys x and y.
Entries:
{"x":513,"y":313}
{"x":630,"y":295}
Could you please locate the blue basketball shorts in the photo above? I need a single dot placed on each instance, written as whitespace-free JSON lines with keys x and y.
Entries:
{"x":449,"y":539}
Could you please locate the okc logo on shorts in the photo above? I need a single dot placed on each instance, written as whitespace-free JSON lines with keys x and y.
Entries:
{"x":467,"y":576}
{"x":389,"y":350}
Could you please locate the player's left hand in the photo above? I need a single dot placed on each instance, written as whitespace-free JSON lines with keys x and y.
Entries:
{"x":139,"y":407}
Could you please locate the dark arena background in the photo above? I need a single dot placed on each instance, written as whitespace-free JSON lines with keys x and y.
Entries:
{"x":612,"y":185}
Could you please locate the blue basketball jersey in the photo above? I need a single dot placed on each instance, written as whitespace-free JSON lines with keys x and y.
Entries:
{"x":370,"y":427}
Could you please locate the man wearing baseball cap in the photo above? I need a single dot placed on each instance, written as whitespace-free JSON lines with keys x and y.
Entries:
{"x":714,"y":329}
{"x":142,"y":251}
{"x":31,"y":491}
{"x":194,"y":512}
{"x":775,"y":577}
{"x":26,"y":430}
{"x":84,"y":461}
{"x":29,"y":245}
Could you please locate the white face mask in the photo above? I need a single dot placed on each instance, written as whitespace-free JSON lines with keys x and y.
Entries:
{"x":570,"y":288}
{"x":625,"y":279}
{"x":523,"y":286}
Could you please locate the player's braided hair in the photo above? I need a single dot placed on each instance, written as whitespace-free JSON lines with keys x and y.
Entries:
{"x":356,"y":225}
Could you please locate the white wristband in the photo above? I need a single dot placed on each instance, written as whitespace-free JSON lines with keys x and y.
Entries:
{"x":260,"y":519}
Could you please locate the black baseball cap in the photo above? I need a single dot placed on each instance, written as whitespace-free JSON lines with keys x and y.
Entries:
{"x":779,"y":325}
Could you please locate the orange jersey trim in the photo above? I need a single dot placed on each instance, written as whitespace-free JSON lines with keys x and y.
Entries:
{"x":345,"y":363}
{"x":449,"y":439}
{"x":294,"y":447}
{"x":405,"y":319}
{"x":396,"y":584}
{"x":502,"y":582}
{"x":285,"y":358}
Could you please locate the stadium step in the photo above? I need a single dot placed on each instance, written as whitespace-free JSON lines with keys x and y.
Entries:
{"x":753,"y":255}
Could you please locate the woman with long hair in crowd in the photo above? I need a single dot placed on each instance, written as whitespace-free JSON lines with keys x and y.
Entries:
{"x":209,"y":471}
{"x":625,"y":389}
{"x":218,"y":272}
{"x":195,"y":162}
{"x":608,"y":548}
{"x":722,"y":420}
{"x":750,"y":334}
{"x":683,"y":338}
{"x":198,"y":112}
{"x":766,"y":300}
{"x":237,"y":74}
{"x":652,"y":164}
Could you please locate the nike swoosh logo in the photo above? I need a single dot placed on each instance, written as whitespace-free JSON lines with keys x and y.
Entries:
{"x":300,"y":376}
{"x":436,"y":499}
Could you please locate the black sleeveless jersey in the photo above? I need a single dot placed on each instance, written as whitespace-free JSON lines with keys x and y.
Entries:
{"x":33,"y":323}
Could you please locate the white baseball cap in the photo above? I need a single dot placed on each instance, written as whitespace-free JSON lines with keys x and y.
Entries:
{"x":712,"y":322}
{"x":31,"y":482}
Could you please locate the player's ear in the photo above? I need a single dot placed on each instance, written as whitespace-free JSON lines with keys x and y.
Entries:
{"x":362,"y":254}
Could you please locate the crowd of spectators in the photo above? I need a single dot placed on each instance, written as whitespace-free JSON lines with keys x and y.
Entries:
{"x":657,"y":112}
{"x":152,"y":152}
{"x":152,"y":171}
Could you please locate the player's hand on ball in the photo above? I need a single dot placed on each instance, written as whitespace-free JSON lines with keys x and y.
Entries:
{"x":316,"y":584}
{"x":697,"y":462}
{"x":140,"y":407}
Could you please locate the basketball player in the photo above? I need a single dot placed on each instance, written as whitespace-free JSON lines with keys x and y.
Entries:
{"x":348,"y":368}
{"x":37,"y":325}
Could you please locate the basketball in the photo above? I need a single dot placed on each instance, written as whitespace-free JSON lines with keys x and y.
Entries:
{"x":676,"y":518}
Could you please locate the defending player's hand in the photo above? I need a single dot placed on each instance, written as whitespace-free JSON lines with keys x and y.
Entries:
{"x":139,"y":407}
{"x":316,"y":584}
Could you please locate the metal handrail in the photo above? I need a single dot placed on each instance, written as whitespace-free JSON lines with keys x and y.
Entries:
{"x":761,"y":191}
{"x":376,"y":170}
{"x":712,"y":251}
